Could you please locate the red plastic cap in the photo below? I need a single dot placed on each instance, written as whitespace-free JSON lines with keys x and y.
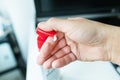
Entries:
{"x":42,"y":36}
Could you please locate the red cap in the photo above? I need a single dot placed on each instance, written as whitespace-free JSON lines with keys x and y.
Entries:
{"x":42,"y":36}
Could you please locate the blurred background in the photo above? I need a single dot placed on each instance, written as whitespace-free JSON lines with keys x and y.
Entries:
{"x":18,"y":20}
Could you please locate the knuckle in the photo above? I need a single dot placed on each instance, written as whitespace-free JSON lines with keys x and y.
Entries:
{"x":51,"y":20}
{"x":67,"y":49}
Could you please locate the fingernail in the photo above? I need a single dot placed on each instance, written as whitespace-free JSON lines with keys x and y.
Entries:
{"x":54,"y":65}
{"x":54,"y":38}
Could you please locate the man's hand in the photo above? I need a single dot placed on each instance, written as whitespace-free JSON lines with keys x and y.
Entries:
{"x":77,"y":39}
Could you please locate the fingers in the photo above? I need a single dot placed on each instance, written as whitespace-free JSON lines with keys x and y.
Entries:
{"x":47,"y":48}
{"x":64,"y":51}
{"x":44,"y":52}
{"x":61,"y":44}
{"x":54,"y":52}
{"x":64,"y":60}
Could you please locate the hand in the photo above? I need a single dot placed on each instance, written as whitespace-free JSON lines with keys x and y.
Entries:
{"x":77,"y":39}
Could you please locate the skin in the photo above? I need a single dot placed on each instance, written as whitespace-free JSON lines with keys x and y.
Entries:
{"x":79,"y":39}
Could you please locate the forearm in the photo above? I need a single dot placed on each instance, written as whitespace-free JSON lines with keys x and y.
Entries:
{"x":113,"y":43}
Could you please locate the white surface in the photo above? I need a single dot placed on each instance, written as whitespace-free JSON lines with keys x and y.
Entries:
{"x":73,"y":71}
{"x":89,"y":71}
{"x":7,"y":59}
{"x":22,"y":14}
{"x":33,"y":70}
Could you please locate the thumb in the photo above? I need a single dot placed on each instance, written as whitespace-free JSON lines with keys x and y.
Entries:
{"x":54,"y":24}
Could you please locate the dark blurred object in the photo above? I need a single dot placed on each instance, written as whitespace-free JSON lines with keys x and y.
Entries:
{"x":75,"y":7}
{"x":113,"y":20}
